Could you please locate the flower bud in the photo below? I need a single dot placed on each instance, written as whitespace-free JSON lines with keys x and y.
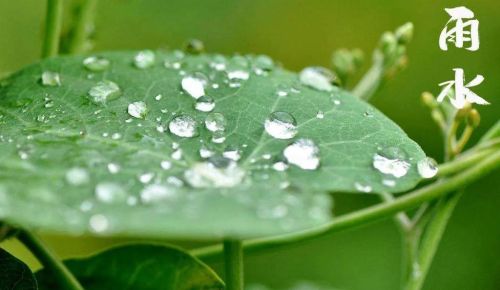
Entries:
{"x":429,"y":100}
{"x":404,"y":33}
{"x":195,"y":46}
{"x":473,"y":118}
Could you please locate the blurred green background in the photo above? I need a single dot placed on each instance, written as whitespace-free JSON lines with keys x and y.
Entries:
{"x":299,"y":33}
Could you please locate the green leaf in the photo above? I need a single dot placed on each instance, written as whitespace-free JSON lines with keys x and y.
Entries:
{"x":14,"y":274}
{"x":139,"y":267}
{"x":61,"y":142}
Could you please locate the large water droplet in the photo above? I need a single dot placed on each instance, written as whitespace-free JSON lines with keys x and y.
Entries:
{"x":137,"y":110}
{"x":303,"y":153}
{"x":51,"y":79}
{"x":96,"y":63}
{"x":109,"y":192}
{"x":217,"y":172}
{"x":183,"y":126}
{"x":427,"y":167}
{"x":205,"y":104}
{"x":144,"y":59}
{"x":317,"y":77}
{"x":104,"y":91}
{"x":281,"y":125}
{"x":392,"y":162}
{"x":194,"y":85}
{"x":215,"y":122}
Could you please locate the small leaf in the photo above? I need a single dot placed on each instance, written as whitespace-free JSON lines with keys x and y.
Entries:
{"x":14,"y":274}
{"x":129,"y":150}
{"x":139,"y":267}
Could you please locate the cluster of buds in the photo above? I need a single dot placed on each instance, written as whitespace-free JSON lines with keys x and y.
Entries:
{"x":391,"y":52}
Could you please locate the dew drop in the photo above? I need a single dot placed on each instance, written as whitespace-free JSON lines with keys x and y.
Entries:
{"x":280,"y":166}
{"x":165,"y":165}
{"x":318,"y":78}
{"x":303,"y":153}
{"x":77,"y":176}
{"x":281,"y":125}
{"x":144,"y":59}
{"x":177,"y":154}
{"x":232,"y":153}
{"x":137,"y":110}
{"x":104,"y":91}
{"x":217,"y":172}
{"x":51,"y":79}
{"x":320,"y":115}
{"x":218,"y":137}
{"x":96,"y":63}
{"x":99,"y":223}
{"x":215,"y":122}
{"x":113,"y":168}
{"x":427,"y":168}
{"x":205,"y":104}
{"x":389,"y":182}
{"x":156,"y":192}
{"x":194,"y":85}
{"x":205,"y":152}
{"x":109,"y":192}
{"x":238,"y":75}
{"x":362,"y":188}
{"x":146,"y":177}
{"x":183,"y":126}
{"x":392,"y":162}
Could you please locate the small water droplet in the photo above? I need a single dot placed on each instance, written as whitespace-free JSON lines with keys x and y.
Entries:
{"x":158,"y":97}
{"x":194,"y":85}
{"x":320,"y":115}
{"x":156,"y":192}
{"x":280,"y":166}
{"x":144,"y":59}
{"x":427,"y":167}
{"x":362,"y":188}
{"x":165,"y":165}
{"x":217,"y":172}
{"x":232,"y":153}
{"x":177,"y":154}
{"x":183,"y":126}
{"x":113,"y":168}
{"x":51,"y":79}
{"x":137,"y":110}
{"x":104,"y":91}
{"x":303,"y":153}
{"x":77,"y":176}
{"x":281,"y":125}
{"x":146,"y":177}
{"x":218,"y":137}
{"x":215,"y":122}
{"x":205,"y":104}
{"x":96,"y":63}
{"x":389,"y":182}
{"x":318,"y":78}
{"x":99,"y":223}
{"x":109,"y":192}
{"x":238,"y":75}
{"x":205,"y":152}
{"x":116,"y":136}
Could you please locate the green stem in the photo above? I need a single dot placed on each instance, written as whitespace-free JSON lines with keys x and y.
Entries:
{"x":401,"y":219}
{"x":463,"y":162}
{"x":410,"y":241}
{"x":53,"y":23}
{"x":369,"y":214}
{"x":80,"y":31}
{"x":431,"y":239}
{"x":371,"y":81}
{"x":61,"y":274}
{"x":233,"y":257}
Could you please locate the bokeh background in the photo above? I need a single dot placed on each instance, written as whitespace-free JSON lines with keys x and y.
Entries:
{"x":299,"y":33}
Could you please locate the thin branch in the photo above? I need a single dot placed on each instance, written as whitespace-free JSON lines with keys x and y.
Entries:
{"x":53,"y":23}
{"x":233,"y":257}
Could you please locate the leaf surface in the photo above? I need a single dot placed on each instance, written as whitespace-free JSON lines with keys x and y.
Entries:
{"x":14,"y":274}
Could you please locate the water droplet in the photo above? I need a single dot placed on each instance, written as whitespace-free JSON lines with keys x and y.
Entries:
{"x":156,"y":192}
{"x":389,"y":182}
{"x":137,"y":110}
{"x":218,"y":137}
{"x":146,"y":177}
{"x":281,"y":93}
{"x":177,"y":154}
{"x":165,"y":165}
{"x":318,"y":78}
{"x":183,"y":126}
{"x":281,"y":125}
{"x":104,"y":91}
{"x":320,"y":115}
{"x":362,"y":188}
{"x":217,"y":172}
{"x":368,"y":114}
{"x":96,"y":63}
{"x":205,"y":152}
{"x":113,"y":168}
{"x":109,"y":192}
{"x":99,"y":223}
{"x":232,"y":153}
{"x":51,"y":79}
{"x":77,"y":176}
{"x":144,"y":59}
{"x":215,"y":122}
{"x":116,"y":136}
{"x":238,"y":74}
{"x":303,"y":153}
{"x":427,"y":168}
{"x":158,"y":97}
{"x":205,"y":104}
{"x":280,"y":166}
{"x":392,"y":162}
{"x":194,"y":85}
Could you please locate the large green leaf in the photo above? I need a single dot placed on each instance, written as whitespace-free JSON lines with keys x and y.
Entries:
{"x":14,"y":274}
{"x":59,"y":146}
{"x":138,"y":267}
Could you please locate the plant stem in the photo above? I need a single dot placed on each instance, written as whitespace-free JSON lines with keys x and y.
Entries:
{"x":83,"y":24}
{"x":371,"y":213}
{"x":371,"y":81}
{"x":431,"y":239}
{"x":53,"y":23}
{"x":401,"y":219}
{"x":462,"y":162}
{"x":61,"y":274}
{"x":233,"y":258}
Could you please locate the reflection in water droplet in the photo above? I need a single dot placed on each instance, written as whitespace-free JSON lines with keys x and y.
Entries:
{"x":194,"y":85}
{"x":317,"y":77}
{"x":144,"y":59}
{"x":215,"y":122}
{"x":104,"y":91}
{"x":96,"y":63}
{"x":281,"y":125}
{"x":219,"y":137}
{"x":51,"y":79}
{"x":77,"y":176}
{"x":205,"y":104}
{"x":137,"y":110}
{"x":427,"y":167}
{"x":391,"y":162}
{"x":109,"y":192}
{"x":183,"y":126}
{"x":303,"y":153}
